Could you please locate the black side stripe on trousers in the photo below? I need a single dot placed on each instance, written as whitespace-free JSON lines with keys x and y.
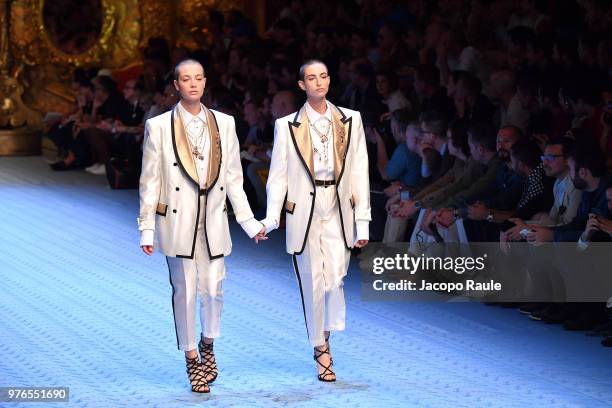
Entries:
{"x":173,"y":313}
{"x":299,"y":279}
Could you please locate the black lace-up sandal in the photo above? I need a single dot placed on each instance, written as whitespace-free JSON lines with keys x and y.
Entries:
{"x":328,"y":374}
{"x":197,"y":375}
{"x":208,"y":361}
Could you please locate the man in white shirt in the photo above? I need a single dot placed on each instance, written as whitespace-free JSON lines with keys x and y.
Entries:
{"x":191,"y":162}
{"x":320,"y":163}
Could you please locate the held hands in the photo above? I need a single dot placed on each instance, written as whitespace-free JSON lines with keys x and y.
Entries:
{"x":261,"y":236}
{"x":361,"y":243}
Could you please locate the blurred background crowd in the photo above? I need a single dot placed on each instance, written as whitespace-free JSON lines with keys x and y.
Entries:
{"x":486,"y":120}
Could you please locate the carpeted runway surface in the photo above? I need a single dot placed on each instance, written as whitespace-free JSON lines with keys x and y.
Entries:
{"x":82,"y":307}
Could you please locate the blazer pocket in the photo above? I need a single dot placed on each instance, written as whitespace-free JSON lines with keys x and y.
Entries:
{"x":289,"y":207}
{"x":352,"y":201}
{"x":161,"y":209}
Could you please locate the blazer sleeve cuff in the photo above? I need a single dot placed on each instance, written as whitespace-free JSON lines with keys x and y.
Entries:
{"x":251,"y":227}
{"x":363,"y":230}
{"x":147,"y":237}
{"x":270,"y":224}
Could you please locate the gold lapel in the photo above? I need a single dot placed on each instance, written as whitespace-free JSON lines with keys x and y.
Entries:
{"x":341,"y":128}
{"x":214,"y":163}
{"x":182,"y":148}
{"x":301,"y":136}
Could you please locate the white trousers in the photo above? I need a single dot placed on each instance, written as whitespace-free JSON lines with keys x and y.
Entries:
{"x":321,"y":267}
{"x":192,"y":278}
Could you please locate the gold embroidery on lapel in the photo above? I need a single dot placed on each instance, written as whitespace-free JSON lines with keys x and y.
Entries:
{"x":302,"y":138}
{"x":341,"y":131}
{"x":183,"y":148}
{"x":215,"y":148}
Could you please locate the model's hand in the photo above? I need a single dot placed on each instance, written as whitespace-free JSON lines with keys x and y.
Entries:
{"x":147,"y":249}
{"x":361,"y":243}
{"x":261,"y":236}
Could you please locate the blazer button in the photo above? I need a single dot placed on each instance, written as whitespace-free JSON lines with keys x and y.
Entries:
{"x":312,"y":193}
{"x":175,"y":164}
{"x":174,"y":211}
{"x":221,"y":189}
{"x":177,"y":189}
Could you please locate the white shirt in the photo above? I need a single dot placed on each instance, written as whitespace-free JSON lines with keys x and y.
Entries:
{"x":567,"y":197}
{"x":323,"y":169}
{"x":197,"y":131}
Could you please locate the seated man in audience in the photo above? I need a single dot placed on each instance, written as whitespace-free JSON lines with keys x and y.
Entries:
{"x":433,"y":131}
{"x":600,"y":225}
{"x":588,"y":172}
{"x":566,"y":197}
{"x":482,"y":145}
{"x":536,"y":190}
{"x":96,"y":129}
{"x":283,"y":103}
{"x":403,"y":169}
{"x":464,"y":172}
{"x":499,"y":183}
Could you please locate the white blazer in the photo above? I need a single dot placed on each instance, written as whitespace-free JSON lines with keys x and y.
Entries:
{"x":170,"y":193}
{"x":292,"y":175}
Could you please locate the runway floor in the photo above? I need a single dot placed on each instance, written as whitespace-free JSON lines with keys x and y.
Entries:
{"x":82,"y":307}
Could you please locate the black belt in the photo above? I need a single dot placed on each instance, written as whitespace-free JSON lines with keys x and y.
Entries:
{"x":203,"y":192}
{"x":325,"y":183}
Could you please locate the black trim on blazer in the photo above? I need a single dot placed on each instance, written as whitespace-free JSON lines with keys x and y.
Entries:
{"x":344,"y":120}
{"x":176,"y":155}
{"x":209,"y":188}
{"x":314,"y":188}
{"x":299,"y":279}
{"x":173,"y":314}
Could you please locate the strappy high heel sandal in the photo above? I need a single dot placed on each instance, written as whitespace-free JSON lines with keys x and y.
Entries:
{"x":328,"y":374}
{"x":197,"y":376}
{"x":208,"y":361}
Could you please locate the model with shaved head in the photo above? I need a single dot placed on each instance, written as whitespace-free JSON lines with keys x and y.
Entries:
{"x":191,"y":163}
{"x":320,"y":164}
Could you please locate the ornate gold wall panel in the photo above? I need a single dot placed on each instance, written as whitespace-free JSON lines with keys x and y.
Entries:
{"x":37,"y":77}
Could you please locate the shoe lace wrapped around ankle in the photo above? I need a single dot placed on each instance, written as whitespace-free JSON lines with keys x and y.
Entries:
{"x":208,"y":360}
{"x":197,"y":375}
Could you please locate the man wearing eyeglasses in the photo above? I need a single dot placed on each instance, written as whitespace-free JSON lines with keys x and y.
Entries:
{"x":566,"y":196}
